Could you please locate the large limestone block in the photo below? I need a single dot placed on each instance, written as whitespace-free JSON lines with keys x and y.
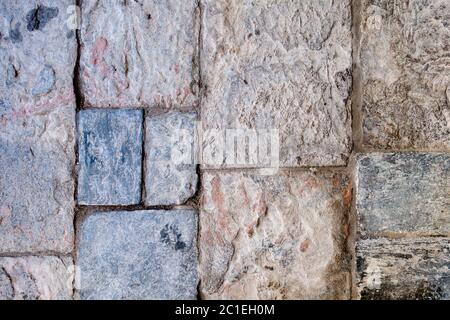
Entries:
{"x":278,"y":237}
{"x":405,"y":65}
{"x":280,"y":65}
{"x":139,"y":53}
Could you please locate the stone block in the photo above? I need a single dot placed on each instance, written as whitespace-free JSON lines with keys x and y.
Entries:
{"x":283,"y":66}
{"x":413,"y":269}
{"x":138,"y":255}
{"x":403,"y":192}
{"x":274,"y":237}
{"x":110,"y":157}
{"x":37,"y":156}
{"x":139,"y":53}
{"x":36,"y":278}
{"x":38,"y":51}
{"x":405,"y":74}
{"x":171,"y":158}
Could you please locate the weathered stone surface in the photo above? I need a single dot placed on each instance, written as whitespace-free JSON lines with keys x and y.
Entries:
{"x":36,"y":278}
{"x":281,"y":65}
{"x":110,"y":157}
{"x":171,"y":141}
{"x":37,"y":120}
{"x":36,"y":187}
{"x":277,"y":237}
{"x":138,"y":255}
{"x":139,"y":53}
{"x":404,"y":192}
{"x":37,"y":56}
{"x":403,"y":268}
{"x":405,"y":63}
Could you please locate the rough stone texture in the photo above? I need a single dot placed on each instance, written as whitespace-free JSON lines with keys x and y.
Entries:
{"x":171,"y":142}
{"x":282,"y":65}
{"x":36,"y":187}
{"x":404,"y":192}
{"x":110,"y":157}
{"x":36,"y":278}
{"x":277,"y":237}
{"x":403,"y":269}
{"x":37,"y":116}
{"x":138,"y":255}
{"x":139,"y":53}
{"x":405,"y":64}
{"x":35,"y":74}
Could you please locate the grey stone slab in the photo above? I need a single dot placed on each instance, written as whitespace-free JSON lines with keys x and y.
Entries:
{"x":37,"y":156}
{"x":280,"y":65}
{"x":38,"y":53}
{"x":403,"y":192}
{"x":138,"y":255}
{"x":139,"y":53}
{"x":36,"y":278}
{"x":110,"y":157}
{"x":171,"y":157}
{"x":414,"y":269}
{"x":405,"y":74}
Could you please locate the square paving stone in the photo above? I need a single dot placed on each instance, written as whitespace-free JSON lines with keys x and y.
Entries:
{"x":110,"y":157}
{"x":403,"y":192}
{"x":404,"y":55}
{"x":280,"y":65}
{"x":139,"y":53}
{"x":274,"y":237}
{"x":138,"y":255}
{"x":403,"y":269}
{"x":171,"y":156}
{"x":36,"y":278}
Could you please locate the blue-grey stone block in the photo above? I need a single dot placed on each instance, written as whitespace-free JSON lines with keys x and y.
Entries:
{"x":138,"y":255}
{"x":403,"y":192}
{"x":110,"y":157}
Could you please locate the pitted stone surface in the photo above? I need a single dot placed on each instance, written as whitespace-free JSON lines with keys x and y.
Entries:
{"x":403,"y":269}
{"x":171,"y":142}
{"x":404,"y":192}
{"x":277,"y":237}
{"x":405,"y":61}
{"x":110,"y":157}
{"x":281,"y":65}
{"x":139,"y":255}
{"x":37,"y":155}
{"x":139,"y":53}
{"x":36,"y":278}
{"x":37,"y":56}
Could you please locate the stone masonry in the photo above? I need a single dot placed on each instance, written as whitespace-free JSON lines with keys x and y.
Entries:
{"x":224,"y":149}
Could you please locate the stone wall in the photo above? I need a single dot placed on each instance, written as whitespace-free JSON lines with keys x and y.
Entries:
{"x":224,"y":149}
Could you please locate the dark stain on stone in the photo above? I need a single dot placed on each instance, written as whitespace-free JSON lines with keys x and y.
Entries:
{"x":11,"y":75}
{"x":38,"y":18}
{"x":15,"y":35}
{"x":70,"y":34}
{"x":170,"y":235}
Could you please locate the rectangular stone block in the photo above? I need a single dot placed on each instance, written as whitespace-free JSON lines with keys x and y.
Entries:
{"x":413,"y":269}
{"x":274,"y":237}
{"x":110,"y":157}
{"x":405,"y":74}
{"x":281,"y":65}
{"x":36,"y":278}
{"x":403,"y":192}
{"x":139,"y":53}
{"x":37,"y":120}
{"x":37,"y":156}
{"x":38,"y":52}
{"x":171,"y":158}
{"x":138,"y":255}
